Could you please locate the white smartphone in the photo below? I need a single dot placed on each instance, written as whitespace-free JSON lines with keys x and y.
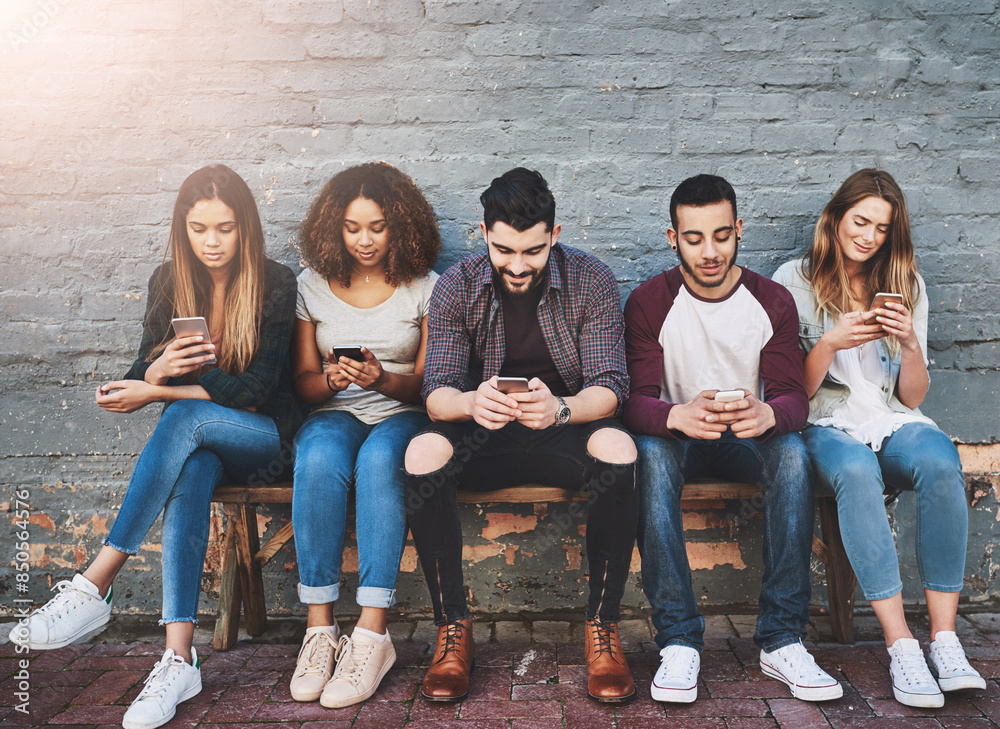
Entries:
{"x":193,"y":326}
{"x":729,"y":395}
{"x":880,"y":301}
{"x":508,"y":385}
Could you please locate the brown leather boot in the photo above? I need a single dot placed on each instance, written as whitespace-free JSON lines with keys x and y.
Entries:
{"x":608,"y":678}
{"x":448,"y":677}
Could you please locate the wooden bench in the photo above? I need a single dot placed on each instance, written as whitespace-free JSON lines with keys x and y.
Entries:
{"x":243,"y":557}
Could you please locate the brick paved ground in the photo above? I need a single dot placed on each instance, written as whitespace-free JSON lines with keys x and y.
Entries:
{"x":528,"y":676}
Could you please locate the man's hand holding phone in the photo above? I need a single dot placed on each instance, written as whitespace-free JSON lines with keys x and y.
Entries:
{"x":705,"y":418}
{"x":492,"y":408}
{"x":538,"y":405}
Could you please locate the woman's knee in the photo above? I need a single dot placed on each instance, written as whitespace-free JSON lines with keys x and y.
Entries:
{"x":426,"y":453}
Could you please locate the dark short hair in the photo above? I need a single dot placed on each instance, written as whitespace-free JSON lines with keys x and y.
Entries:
{"x":699,"y":191}
{"x":521,"y":199}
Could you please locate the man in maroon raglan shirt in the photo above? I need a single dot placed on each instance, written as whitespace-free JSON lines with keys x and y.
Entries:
{"x":702,"y":327}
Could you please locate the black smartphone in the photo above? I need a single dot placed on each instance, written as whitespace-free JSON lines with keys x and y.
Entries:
{"x":351,"y":351}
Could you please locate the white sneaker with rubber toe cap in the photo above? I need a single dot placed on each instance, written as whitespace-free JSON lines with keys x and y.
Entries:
{"x":77,"y":611}
{"x":949,"y":664}
{"x":171,"y":681}
{"x":676,"y":680}
{"x":912,"y":682}
{"x":793,"y":666}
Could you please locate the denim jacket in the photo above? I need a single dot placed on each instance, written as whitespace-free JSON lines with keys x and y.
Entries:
{"x":814,"y":323}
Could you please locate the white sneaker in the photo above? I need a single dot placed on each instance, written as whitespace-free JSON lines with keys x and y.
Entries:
{"x":912,"y":682}
{"x":793,"y":666}
{"x":362,"y":664}
{"x":77,"y":610}
{"x":677,"y":678}
{"x":949,"y":664}
{"x":315,"y":662}
{"x":171,"y":681}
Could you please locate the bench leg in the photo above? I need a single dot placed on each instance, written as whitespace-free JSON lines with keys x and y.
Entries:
{"x":227,"y":622}
{"x":841,"y":582}
{"x":247,"y":545}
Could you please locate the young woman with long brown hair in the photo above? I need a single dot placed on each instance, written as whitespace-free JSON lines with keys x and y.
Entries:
{"x":866,"y":374}
{"x":230,"y":408}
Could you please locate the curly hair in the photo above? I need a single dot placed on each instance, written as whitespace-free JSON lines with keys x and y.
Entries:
{"x":414,"y":240}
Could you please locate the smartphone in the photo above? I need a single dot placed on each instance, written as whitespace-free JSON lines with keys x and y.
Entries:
{"x":351,"y":351}
{"x":729,"y":395}
{"x":193,"y":326}
{"x":880,"y":301}
{"x":508,"y":385}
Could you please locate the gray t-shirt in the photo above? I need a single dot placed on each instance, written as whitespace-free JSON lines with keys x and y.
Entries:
{"x":390,"y":330}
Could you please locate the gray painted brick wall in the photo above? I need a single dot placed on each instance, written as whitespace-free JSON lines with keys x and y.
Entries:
{"x":107,"y":106}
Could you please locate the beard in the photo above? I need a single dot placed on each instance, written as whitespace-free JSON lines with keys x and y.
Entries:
{"x":708,"y":284}
{"x":527,"y":285}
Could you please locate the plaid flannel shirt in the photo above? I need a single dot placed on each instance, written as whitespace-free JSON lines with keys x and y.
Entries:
{"x":267,"y":383}
{"x":580,"y":317}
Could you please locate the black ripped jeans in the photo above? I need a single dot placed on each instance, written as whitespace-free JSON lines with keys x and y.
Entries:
{"x":485,"y":460}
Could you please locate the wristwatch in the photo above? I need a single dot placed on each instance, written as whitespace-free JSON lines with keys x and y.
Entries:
{"x":562,"y":414}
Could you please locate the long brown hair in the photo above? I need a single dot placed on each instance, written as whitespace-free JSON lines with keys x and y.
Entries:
{"x":190,"y":282}
{"x":414,"y":240}
{"x":891,"y":269}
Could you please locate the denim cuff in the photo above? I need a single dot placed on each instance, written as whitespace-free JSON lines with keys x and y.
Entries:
{"x":376,"y":597}
{"x":934,"y":587}
{"x":319,"y":595}
{"x":108,"y":543}
{"x":886,"y":594}
{"x":165,"y":621}
{"x":788,"y":639}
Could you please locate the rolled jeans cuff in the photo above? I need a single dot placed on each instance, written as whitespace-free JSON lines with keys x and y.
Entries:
{"x":934,"y":587}
{"x":376,"y":597}
{"x":167,"y":621}
{"x":892,"y":591}
{"x":318,"y":595}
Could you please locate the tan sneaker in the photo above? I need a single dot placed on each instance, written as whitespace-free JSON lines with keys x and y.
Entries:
{"x":315,"y":662}
{"x":360,"y":668}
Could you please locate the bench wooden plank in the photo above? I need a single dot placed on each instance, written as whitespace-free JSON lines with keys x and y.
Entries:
{"x":242,"y":580}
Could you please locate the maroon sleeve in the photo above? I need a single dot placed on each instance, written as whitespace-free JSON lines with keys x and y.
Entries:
{"x":782,"y":359}
{"x":645,"y":312}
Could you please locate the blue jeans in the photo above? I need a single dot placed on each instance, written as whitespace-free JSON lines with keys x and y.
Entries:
{"x":333,"y":449}
{"x":780,"y":466}
{"x":918,"y":457}
{"x":195,"y":442}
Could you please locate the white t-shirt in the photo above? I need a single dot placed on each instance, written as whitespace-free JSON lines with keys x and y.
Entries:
{"x":390,"y":330}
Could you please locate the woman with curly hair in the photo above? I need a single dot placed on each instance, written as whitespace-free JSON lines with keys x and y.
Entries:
{"x":369,"y":242}
{"x":866,"y":374}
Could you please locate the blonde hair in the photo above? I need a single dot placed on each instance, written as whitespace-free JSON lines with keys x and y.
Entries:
{"x":190,"y":282}
{"x":892,"y":268}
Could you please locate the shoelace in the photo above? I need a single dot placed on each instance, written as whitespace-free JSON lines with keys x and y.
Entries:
{"x":159,"y":679}
{"x":803,"y":663}
{"x":69,"y":598}
{"x":679,"y":669}
{"x":453,"y":633}
{"x":316,"y":650}
{"x":602,"y":637}
{"x":913,"y":667}
{"x":951,"y":658}
{"x":353,"y":659}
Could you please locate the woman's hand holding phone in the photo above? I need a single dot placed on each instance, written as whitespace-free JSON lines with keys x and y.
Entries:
{"x":183,"y":355}
{"x":852,"y":331}
{"x":367,"y":375}
{"x":896,"y":320}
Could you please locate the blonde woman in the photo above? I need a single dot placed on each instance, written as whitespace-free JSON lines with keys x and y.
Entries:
{"x":230,"y":406}
{"x":866,"y":374}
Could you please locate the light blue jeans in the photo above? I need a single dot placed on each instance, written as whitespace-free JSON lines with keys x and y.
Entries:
{"x":918,"y":457}
{"x":333,"y":449}
{"x":194,"y":444}
{"x":780,"y":466}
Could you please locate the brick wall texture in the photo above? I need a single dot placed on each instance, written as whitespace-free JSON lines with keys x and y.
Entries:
{"x":107,"y":105}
